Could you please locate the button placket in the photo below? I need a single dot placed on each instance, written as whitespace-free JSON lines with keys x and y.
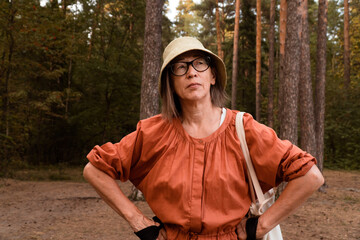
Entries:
{"x":197,"y":188}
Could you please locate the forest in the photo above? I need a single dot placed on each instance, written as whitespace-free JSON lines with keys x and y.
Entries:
{"x":71,"y":72}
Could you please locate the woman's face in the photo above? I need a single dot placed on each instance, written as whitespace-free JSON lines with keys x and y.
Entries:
{"x":193,"y":85}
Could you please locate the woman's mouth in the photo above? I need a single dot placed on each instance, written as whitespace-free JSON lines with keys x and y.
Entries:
{"x":193,"y":85}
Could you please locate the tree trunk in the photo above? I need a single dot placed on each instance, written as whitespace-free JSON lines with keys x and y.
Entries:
{"x":291,"y":73}
{"x":68,"y":89}
{"x":11,"y":45}
{"x":93,"y":27}
{"x":282,"y":38}
{"x":306,"y":104}
{"x":290,"y":83}
{"x":346,"y":45}
{"x":235,"y":55}
{"x":149,"y":104}
{"x":271,"y":65}
{"x":258,"y":59}
{"x":320,"y":82}
{"x":69,"y":75}
{"x":218,"y":31}
{"x":64,"y":5}
{"x":152,"y":59}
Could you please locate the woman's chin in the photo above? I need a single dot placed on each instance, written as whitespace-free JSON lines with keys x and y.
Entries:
{"x":196,"y":98}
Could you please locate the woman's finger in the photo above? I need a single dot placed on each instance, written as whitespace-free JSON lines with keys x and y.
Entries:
{"x":162,"y":234}
{"x":241,"y":229}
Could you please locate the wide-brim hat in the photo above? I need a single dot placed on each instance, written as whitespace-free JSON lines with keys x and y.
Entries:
{"x":185,"y":44}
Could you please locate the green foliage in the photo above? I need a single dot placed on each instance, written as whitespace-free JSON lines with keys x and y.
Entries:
{"x":74,"y":77}
{"x":342,"y":128}
{"x":342,"y":121}
{"x":187,"y":22}
{"x":71,"y":80}
{"x":247,"y":58}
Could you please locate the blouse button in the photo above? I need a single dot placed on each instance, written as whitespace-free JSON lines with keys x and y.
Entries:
{"x":201,"y":141}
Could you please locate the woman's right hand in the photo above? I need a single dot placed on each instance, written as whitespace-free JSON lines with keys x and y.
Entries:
{"x":109,"y":191}
{"x":141,"y":222}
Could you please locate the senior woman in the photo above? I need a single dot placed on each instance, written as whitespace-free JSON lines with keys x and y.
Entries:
{"x":188,"y":163}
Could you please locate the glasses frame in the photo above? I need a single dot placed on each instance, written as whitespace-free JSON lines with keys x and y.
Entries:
{"x":207,"y":60}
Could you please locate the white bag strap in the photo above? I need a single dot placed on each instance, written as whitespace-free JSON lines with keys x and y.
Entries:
{"x":251,"y":171}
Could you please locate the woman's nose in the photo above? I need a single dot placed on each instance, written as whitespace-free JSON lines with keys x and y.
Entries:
{"x":191,"y":71}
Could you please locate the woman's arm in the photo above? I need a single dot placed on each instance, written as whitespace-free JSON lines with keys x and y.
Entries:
{"x":110,"y":192}
{"x":293,"y":196}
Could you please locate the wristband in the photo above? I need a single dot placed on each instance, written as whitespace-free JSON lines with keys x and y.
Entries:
{"x":148,"y":233}
{"x":156,"y":219}
{"x":251,"y":226}
{"x":151,"y":232}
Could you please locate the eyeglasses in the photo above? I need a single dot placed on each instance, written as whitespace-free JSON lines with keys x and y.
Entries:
{"x":200,"y":64}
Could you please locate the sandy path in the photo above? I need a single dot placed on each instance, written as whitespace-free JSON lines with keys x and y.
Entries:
{"x":68,"y":211}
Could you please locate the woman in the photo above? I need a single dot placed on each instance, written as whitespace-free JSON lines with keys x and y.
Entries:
{"x":188,"y":163}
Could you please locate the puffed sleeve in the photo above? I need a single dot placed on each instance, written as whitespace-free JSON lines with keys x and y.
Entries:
{"x":274,"y":160}
{"x":117,"y":159}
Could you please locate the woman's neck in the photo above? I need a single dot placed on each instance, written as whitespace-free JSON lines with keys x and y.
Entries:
{"x":200,"y":119}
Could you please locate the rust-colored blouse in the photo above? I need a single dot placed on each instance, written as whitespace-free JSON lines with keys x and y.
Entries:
{"x":198,"y":187}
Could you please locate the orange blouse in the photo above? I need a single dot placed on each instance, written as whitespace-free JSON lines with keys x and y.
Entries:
{"x":199,"y":187}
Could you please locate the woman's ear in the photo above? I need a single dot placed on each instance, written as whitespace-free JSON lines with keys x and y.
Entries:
{"x":213,"y":77}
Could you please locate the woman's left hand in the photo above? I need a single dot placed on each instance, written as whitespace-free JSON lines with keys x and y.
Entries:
{"x":241,"y":230}
{"x":162,"y":234}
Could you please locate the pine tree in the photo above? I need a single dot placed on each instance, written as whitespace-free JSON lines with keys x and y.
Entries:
{"x":270,"y":108}
{"x":346,"y":45}
{"x":288,"y":128}
{"x":306,"y":104}
{"x":234,"y":76}
{"x":320,"y":82}
{"x":258,"y":59}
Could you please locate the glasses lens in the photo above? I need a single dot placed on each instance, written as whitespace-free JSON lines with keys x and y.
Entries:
{"x":179,"y":68}
{"x":200,"y":64}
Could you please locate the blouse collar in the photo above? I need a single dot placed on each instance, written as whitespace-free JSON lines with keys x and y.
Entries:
{"x":209,"y":138}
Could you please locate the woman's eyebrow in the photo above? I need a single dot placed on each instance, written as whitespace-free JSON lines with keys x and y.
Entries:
{"x":195,"y":56}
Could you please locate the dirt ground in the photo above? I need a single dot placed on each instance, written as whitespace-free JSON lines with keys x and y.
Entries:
{"x":72,"y":210}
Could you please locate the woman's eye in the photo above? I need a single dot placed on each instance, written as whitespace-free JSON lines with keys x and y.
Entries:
{"x":180,"y":66}
{"x":200,"y":62}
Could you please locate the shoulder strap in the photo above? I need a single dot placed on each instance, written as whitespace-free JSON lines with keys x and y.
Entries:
{"x":251,"y":171}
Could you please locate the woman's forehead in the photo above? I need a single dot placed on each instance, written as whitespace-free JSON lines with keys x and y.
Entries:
{"x":190,"y":54}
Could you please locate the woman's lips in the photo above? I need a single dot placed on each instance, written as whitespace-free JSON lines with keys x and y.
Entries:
{"x":193,"y":85}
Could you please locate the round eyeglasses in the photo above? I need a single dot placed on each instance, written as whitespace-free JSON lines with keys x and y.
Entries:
{"x":200,"y":64}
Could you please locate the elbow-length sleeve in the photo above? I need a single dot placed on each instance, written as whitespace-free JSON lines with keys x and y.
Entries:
{"x":117,"y":159}
{"x":274,"y":160}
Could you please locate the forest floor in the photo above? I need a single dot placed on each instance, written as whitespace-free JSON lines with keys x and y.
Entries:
{"x":68,"y":210}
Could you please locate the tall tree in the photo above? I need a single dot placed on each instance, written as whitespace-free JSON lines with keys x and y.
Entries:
{"x":94,"y":26}
{"x":218,"y":31}
{"x":7,"y":68}
{"x":346,"y":45}
{"x":149,"y":104}
{"x":235,"y":55}
{"x":306,"y":104}
{"x":258,"y":59}
{"x":270,"y":109}
{"x":320,"y":82}
{"x":152,"y":59}
{"x":282,"y":39}
{"x":291,"y":72}
{"x":186,"y":22}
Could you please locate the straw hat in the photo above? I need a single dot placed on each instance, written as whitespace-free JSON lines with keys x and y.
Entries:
{"x":185,"y":44}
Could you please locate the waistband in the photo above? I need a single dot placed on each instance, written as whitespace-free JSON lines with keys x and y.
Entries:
{"x":175,"y":233}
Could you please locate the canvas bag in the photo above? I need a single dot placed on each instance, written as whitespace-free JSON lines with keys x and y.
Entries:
{"x":263,"y":201}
